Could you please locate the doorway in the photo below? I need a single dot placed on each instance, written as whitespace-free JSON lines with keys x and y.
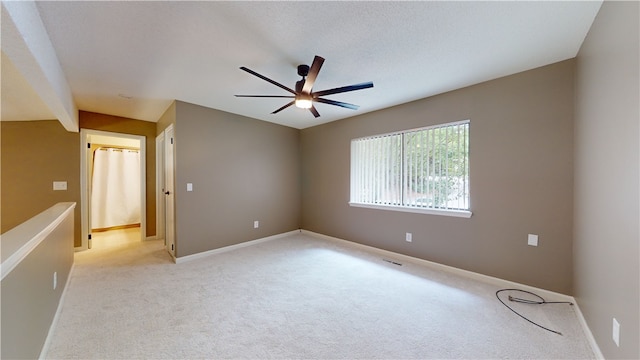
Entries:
{"x":112,"y":212}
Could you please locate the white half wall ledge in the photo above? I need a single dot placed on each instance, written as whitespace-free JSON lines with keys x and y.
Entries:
{"x":26,"y":42}
{"x":18,"y":242}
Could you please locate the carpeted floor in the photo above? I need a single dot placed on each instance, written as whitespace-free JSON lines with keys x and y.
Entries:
{"x":297,"y":297}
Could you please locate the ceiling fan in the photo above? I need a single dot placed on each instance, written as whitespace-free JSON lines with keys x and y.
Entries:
{"x":303,"y":96}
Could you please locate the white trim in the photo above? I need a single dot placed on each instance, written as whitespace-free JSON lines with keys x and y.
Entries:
{"x":84,"y":216}
{"x":587,"y":332}
{"x":169,"y":185}
{"x":455,"y":213}
{"x":20,"y":231}
{"x":54,"y":322}
{"x":160,"y":196}
{"x":465,"y":273}
{"x":84,"y":186}
{"x":447,"y":268}
{"x":26,"y":42}
{"x":150,"y":238}
{"x":183,"y":259}
{"x":476,"y":276}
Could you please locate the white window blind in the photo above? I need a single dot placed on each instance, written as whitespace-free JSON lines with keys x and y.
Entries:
{"x":426,"y":168}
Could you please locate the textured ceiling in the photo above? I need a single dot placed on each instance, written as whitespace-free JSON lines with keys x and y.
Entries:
{"x":133,"y":58}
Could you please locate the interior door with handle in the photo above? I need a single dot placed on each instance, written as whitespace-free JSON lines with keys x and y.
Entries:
{"x":169,"y":195}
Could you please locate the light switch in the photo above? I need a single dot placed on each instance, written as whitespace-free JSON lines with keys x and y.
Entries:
{"x":616,"y":332}
{"x":532,"y":240}
{"x":59,"y":185}
{"x":189,"y":187}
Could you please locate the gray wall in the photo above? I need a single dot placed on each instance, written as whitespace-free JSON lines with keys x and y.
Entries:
{"x":521,"y":149}
{"x":242,"y":170}
{"x":606,"y":249}
{"x":29,"y":302}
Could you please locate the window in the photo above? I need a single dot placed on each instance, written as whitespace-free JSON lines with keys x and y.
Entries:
{"x":423,"y":170}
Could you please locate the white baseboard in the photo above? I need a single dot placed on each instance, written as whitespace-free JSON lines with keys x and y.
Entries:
{"x":450,"y":269}
{"x":466,"y":273}
{"x":182,"y":259}
{"x":587,"y":332}
{"x":148,"y":238}
{"x":54,"y":322}
{"x":554,"y":296}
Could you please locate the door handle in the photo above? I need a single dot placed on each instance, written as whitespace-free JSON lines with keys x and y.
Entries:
{"x":167,"y":192}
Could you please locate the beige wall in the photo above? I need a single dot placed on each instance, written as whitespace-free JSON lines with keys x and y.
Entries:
{"x":34,"y":155}
{"x":241,"y":170}
{"x":521,"y":147}
{"x":607,"y":181}
{"x":29,"y":302}
{"x":94,"y":121}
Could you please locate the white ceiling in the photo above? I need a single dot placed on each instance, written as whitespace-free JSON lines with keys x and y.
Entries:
{"x":19,"y":100}
{"x":132,"y":59}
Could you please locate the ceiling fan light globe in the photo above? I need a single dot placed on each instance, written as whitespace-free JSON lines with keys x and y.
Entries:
{"x":304,"y":103}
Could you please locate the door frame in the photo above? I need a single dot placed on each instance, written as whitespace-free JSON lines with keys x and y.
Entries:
{"x":160,"y":197}
{"x":85,"y":179}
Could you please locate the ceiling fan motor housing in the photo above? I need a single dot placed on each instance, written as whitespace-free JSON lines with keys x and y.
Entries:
{"x":303,"y":70}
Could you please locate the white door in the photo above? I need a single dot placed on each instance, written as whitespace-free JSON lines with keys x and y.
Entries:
{"x":169,"y":190}
{"x":160,"y":196}
{"x":89,"y":166}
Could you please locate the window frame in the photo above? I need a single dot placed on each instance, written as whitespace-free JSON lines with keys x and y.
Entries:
{"x":403,"y":207}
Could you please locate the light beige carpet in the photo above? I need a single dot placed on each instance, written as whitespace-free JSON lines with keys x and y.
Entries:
{"x":297,"y":297}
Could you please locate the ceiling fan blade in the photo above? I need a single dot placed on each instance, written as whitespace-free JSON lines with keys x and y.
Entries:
{"x":267,"y":79}
{"x":314,"y":111}
{"x":313,"y":73}
{"x":337,"y":103}
{"x":284,"y":107}
{"x":266,"y":96}
{"x":343,"y":89}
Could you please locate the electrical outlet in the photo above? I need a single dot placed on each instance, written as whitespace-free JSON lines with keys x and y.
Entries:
{"x":256,"y":224}
{"x":532,"y":240}
{"x":408,"y":237}
{"x":616,"y":332}
{"x":55,"y":280}
{"x":189,"y":187}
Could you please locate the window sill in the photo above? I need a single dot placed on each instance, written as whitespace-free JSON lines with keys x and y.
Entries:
{"x":454,"y":213}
